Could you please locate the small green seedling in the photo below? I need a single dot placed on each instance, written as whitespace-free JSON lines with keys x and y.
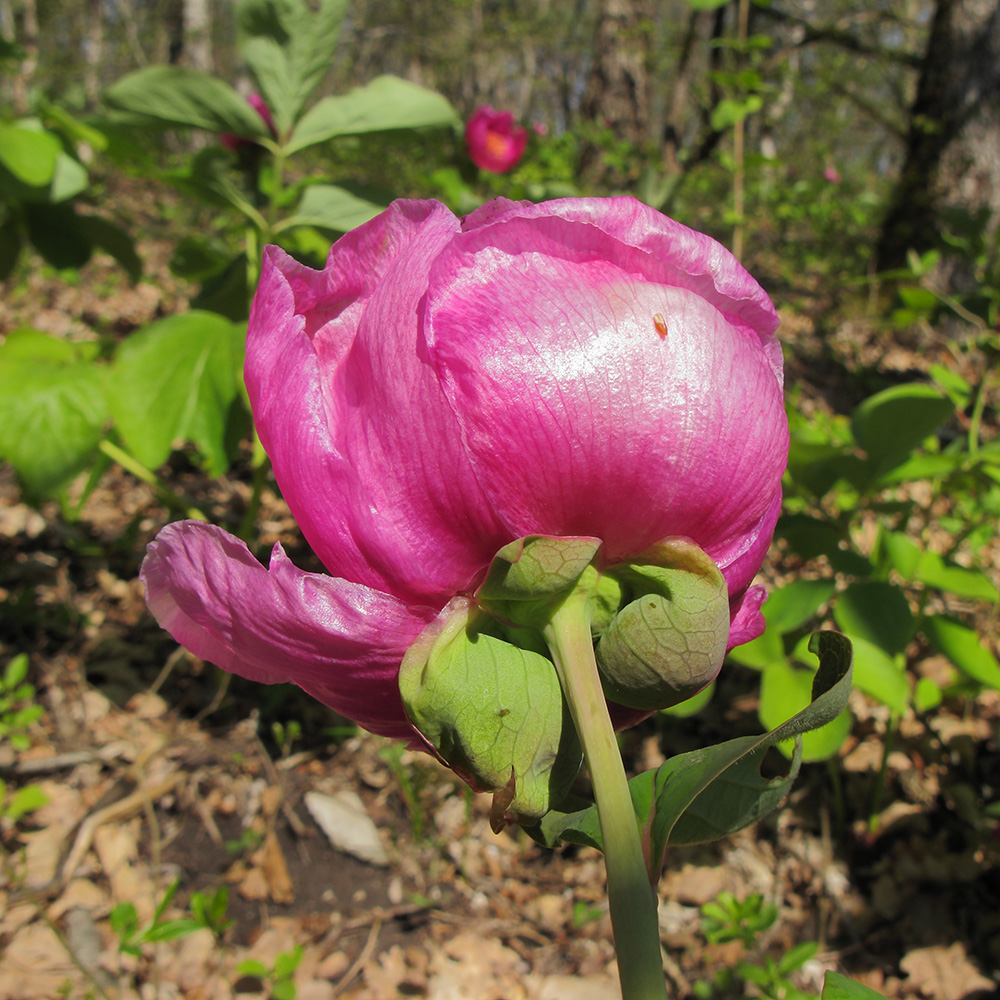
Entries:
{"x":278,"y":978}
{"x":18,"y":710}
{"x":208,"y":910}
{"x":731,"y":919}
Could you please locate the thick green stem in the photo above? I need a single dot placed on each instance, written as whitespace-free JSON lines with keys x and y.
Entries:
{"x":632,"y":901}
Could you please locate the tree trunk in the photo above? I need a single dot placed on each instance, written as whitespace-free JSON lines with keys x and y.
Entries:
{"x":617,"y":90}
{"x":952,"y":161}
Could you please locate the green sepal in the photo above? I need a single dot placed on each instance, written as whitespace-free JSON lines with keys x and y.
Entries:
{"x":669,"y":640}
{"x":708,"y":793}
{"x":493,"y":712}
{"x":530,"y":575}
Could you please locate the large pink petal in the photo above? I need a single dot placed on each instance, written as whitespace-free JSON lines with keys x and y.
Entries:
{"x":677,"y":255}
{"x":365,"y":447}
{"x":339,"y":641}
{"x":580,"y":417}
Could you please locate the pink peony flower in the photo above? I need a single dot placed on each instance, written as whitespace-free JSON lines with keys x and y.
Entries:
{"x":445,"y":386}
{"x":235,"y":142}
{"x":494,"y":142}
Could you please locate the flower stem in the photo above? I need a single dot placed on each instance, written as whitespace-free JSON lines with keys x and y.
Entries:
{"x":632,"y":901}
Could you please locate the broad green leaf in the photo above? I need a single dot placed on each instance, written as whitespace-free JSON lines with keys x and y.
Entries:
{"x":963,"y":647}
{"x":10,"y":246}
{"x":493,"y":711}
{"x":792,"y":606}
{"x":924,"y":466}
{"x":68,"y":179}
{"x":57,"y":234}
{"x":876,"y":611}
{"x":386,"y":103}
{"x":52,"y":409}
{"x":879,"y":675}
{"x":23,"y":801}
{"x":30,"y":154}
{"x":915,"y":563}
{"x":175,"y":381}
{"x":927,"y":695}
{"x":171,"y":929}
{"x":706,"y":4}
{"x":761,"y":652}
{"x":890,"y":425}
{"x":330,"y":207}
{"x":72,"y":128}
{"x":958,"y":389}
{"x":693,"y":705}
{"x":172,"y":95}
{"x":838,"y":987}
{"x":114,"y":241}
{"x":289,"y":49}
{"x":15,"y":671}
{"x":708,"y":793}
{"x":253,"y":967}
{"x":784,"y":690}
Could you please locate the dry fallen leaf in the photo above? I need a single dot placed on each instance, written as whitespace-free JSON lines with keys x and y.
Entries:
{"x":944,"y":973}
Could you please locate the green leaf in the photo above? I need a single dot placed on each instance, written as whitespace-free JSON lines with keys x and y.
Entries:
{"x":879,"y":675}
{"x":876,"y":611}
{"x":493,"y":711}
{"x":284,"y":989}
{"x":792,"y":606}
{"x":114,"y":241}
{"x":890,"y":425}
{"x":708,"y":793}
{"x":796,"y":957}
{"x":289,"y":50}
{"x":23,"y":801}
{"x":173,"y":95}
{"x":10,"y":246}
{"x":838,"y":987}
{"x":963,"y":647}
{"x":171,"y":929}
{"x":56,"y":233}
{"x":15,"y":672}
{"x":761,"y":652}
{"x":811,"y":537}
{"x":330,"y":207}
{"x":52,"y":409}
{"x":915,"y":563}
{"x":30,"y":154}
{"x":175,"y":381}
{"x":68,"y":179}
{"x":287,"y":962}
{"x":251,"y":967}
{"x":386,"y":103}
{"x":785,"y":689}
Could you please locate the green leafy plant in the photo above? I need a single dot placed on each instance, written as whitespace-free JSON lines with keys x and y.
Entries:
{"x":730,"y":919}
{"x":18,"y":709}
{"x":132,"y":936}
{"x":885,"y":594}
{"x":278,"y":977}
{"x":42,"y":180}
{"x":288,"y":48}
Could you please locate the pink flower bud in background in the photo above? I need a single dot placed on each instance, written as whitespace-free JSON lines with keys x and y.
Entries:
{"x":493,"y":141}
{"x":832,"y":174}
{"x":581,"y":367}
{"x":235,"y":142}
{"x":540,"y":128}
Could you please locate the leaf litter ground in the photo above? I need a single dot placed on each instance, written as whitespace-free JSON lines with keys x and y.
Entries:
{"x":157,"y":770}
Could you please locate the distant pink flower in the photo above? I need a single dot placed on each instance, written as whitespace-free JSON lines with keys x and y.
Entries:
{"x":832,"y":174}
{"x":493,"y":141}
{"x":540,"y":128}
{"x":445,"y":386}
{"x":259,"y":105}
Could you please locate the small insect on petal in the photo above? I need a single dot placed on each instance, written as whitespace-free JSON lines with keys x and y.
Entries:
{"x":660,"y":323}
